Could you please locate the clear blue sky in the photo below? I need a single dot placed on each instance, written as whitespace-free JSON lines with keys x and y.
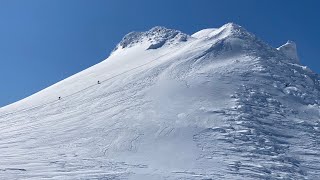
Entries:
{"x":45,"y":41}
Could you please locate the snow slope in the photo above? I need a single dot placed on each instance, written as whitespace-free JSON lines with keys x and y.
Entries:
{"x":219,"y":104}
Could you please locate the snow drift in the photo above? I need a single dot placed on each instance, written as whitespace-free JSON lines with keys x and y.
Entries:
{"x":218,"y":104}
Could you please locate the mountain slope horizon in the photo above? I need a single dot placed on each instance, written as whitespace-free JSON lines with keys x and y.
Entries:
{"x":217,"y":104}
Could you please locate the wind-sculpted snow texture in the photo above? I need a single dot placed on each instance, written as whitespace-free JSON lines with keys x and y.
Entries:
{"x":219,"y":104}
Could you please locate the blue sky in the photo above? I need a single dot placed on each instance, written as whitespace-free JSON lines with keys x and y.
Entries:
{"x":45,"y":41}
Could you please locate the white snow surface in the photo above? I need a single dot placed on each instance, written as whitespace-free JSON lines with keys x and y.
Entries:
{"x":220,"y":104}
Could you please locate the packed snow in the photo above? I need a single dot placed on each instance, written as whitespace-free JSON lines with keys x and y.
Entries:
{"x":219,"y":104}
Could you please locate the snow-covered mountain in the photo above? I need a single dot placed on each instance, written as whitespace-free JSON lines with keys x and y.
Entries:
{"x":218,"y":104}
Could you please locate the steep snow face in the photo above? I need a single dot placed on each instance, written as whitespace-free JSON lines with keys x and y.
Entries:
{"x":204,"y":33}
{"x":220,"y":104}
{"x":290,"y":50}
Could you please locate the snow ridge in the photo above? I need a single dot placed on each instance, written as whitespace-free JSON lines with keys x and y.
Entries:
{"x":157,"y":37}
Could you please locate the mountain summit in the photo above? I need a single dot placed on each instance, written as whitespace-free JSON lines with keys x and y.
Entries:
{"x":156,"y":37}
{"x":218,"y":104}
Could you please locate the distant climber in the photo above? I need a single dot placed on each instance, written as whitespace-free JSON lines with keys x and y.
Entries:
{"x":98,"y":82}
{"x":59,"y":98}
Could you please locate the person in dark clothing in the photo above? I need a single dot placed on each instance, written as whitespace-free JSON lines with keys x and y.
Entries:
{"x":59,"y":98}
{"x":98,"y":82}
